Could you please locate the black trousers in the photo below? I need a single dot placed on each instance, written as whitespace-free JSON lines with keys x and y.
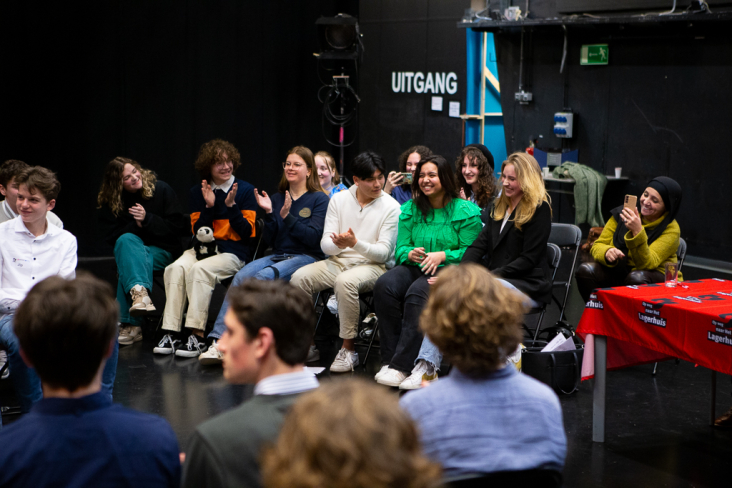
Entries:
{"x":400,"y":294}
{"x":594,"y":275}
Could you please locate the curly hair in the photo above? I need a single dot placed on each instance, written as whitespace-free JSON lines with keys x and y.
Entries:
{"x":423,"y":152}
{"x":447,"y":180}
{"x":528,"y":174}
{"x":336,"y":177}
{"x":110,"y":193}
{"x":211,"y":153}
{"x":473,"y":319}
{"x":351,"y":434}
{"x":486,"y":180}
{"x":40,"y":180}
{"x":313,"y":182}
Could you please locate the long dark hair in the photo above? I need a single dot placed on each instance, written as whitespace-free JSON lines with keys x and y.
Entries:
{"x":486,"y":181}
{"x":447,"y":180}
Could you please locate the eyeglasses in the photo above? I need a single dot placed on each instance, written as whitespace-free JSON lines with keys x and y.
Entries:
{"x":288,"y":164}
{"x":222,"y":163}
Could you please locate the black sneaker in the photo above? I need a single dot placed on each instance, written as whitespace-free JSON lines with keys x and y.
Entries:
{"x":167,"y":345}
{"x":192,"y":349}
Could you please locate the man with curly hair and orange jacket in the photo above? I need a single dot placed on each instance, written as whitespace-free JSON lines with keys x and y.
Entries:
{"x":227,"y":205}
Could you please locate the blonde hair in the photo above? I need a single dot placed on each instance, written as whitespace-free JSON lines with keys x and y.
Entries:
{"x":351,"y":434}
{"x":111,"y":190}
{"x":312,"y":183}
{"x":335,"y":177}
{"x":528,"y":174}
{"x":473,"y":319}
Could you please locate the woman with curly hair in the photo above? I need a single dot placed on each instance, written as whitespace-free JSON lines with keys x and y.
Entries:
{"x":395,"y":185}
{"x":369,"y":442}
{"x":435,"y":229}
{"x":328,"y":174}
{"x":474,"y":169}
{"x":513,"y":421}
{"x":227,"y":206}
{"x":140,"y":216}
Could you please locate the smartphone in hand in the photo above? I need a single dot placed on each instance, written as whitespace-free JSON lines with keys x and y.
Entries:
{"x":407,"y":177}
{"x":630,"y":201}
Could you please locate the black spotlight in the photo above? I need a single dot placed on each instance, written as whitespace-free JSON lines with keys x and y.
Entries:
{"x":339,"y":37}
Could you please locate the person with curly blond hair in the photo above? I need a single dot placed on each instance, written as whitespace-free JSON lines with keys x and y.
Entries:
{"x":369,"y":442}
{"x":226,"y":205}
{"x":513,"y":421}
{"x":140,"y":216}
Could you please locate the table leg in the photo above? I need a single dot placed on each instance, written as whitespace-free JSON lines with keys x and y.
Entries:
{"x":714,"y":397}
{"x":598,"y":392}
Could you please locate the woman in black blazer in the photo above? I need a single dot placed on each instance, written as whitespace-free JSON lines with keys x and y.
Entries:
{"x":512,"y":244}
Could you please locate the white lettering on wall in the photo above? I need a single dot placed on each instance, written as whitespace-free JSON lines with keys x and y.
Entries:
{"x":437,"y":83}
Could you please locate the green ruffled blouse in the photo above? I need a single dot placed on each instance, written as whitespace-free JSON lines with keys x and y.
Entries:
{"x":451,"y":229}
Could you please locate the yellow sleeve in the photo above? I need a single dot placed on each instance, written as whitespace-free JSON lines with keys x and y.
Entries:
{"x":660,"y":251}
{"x":604,"y":242}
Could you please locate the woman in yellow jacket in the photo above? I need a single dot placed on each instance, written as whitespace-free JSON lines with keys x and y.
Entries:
{"x":634,"y":246}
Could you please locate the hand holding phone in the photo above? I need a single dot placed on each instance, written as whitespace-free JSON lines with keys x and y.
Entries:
{"x":630,"y":201}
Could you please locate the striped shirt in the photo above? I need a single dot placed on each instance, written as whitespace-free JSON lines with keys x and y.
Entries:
{"x":286,"y":384}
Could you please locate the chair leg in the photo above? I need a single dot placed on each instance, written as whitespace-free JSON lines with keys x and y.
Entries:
{"x":371,"y":343}
{"x":538,"y":324}
{"x":655,"y":368}
{"x":324,"y":299}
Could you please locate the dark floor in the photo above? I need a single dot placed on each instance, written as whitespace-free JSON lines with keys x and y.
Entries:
{"x":657,"y":431}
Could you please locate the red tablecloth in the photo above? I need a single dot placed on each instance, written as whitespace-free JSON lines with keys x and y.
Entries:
{"x":650,"y":323}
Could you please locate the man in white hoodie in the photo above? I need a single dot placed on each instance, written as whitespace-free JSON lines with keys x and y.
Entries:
{"x":359,"y":237}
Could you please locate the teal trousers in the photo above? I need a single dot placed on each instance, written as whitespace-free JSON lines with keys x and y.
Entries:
{"x":135,"y":265}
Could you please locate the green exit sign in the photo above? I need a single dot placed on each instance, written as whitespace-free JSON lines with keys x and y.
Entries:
{"x":594,"y":54}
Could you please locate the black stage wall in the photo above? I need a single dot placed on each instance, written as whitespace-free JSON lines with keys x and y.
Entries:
{"x":85,"y":81}
{"x":410,"y":36}
{"x":661,"y":107}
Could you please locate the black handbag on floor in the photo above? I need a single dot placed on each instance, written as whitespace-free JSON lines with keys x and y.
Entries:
{"x":561,"y":370}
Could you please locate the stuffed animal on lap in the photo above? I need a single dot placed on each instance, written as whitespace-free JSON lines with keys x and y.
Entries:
{"x":204,"y":243}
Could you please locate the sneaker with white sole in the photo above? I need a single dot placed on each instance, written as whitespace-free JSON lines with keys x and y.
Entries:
{"x":392,"y":377}
{"x":211,"y":356}
{"x":141,"y":303}
{"x":129,"y":335}
{"x":4,"y":365}
{"x":423,"y":371}
{"x":193,"y":348}
{"x":313,"y":355}
{"x":345,"y":361}
{"x":167,"y":345}
{"x":381,"y":372}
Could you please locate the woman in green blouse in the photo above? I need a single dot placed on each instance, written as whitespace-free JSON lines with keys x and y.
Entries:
{"x":435,"y":229}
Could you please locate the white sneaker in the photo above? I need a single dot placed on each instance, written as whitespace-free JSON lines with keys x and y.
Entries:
{"x":313,"y":355}
{"x":3,"y":365}
{"x":212,"y":356}
{"x":345,"y":361}
{"x":141,"y":302}
{"x":381,"y":372}
{"x":392,"y":377}
{"x":129,"y":335}
{"x":167,"y":345}
{"x":423,"y":371}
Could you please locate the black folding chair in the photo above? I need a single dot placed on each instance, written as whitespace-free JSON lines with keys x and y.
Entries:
{"x":568,"y":237}
{"x":534,"y":478}
{"x":553,"y":256}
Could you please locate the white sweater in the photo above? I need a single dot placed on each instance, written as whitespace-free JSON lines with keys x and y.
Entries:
{"x":374,"y":225}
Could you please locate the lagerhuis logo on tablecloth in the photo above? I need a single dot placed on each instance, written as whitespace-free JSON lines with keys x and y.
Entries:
{"x":722,"y":328}
{"x":594,"y":303}
{"x":651,"y":315}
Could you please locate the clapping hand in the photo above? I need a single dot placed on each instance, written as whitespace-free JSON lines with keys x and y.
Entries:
{"x":138,"y":213}
{"x":208,"y":194}
{"x":231,"y":196}
{"x":344,"y":240}
{"x":462,"y":193}
{"x":286,"y":206}
{"x":263,"y":201}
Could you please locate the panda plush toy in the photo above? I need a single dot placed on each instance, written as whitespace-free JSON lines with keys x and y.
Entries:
{"x":204,"y":243}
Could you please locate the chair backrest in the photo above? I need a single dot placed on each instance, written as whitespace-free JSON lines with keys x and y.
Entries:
{"x":540,"y":478}
{"x":565,"y":235}
{"x":568,"y":237}
{"x":553,"y":256}
{"x":681,"y":252}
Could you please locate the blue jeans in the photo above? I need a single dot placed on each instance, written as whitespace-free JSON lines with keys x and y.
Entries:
{"x":262,"y":269}
{"x":432,"y":355}
{"x":25,"y":380}
{"x":110,"y":369}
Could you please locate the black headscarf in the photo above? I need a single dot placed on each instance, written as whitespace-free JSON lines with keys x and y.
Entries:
{"x":670,"y":192}
{"x":485,"y":152}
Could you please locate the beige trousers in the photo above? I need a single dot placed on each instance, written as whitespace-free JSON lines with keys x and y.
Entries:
{"x":347,"y":278}
{"x":195,"y":280}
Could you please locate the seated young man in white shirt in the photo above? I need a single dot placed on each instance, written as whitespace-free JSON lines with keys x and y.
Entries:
{"x":9,"y":189}
{"x":31,"y":249}
{"x":359,"y":235}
